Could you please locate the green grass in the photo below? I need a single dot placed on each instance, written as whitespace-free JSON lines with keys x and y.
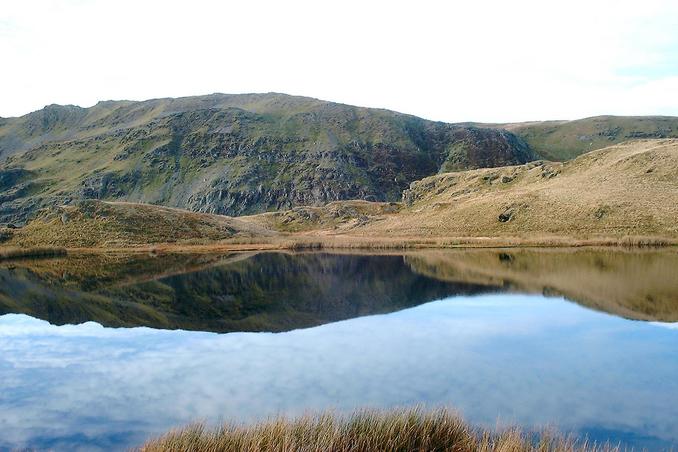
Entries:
{"x":396,"y":430}
{"x":565,"y":140}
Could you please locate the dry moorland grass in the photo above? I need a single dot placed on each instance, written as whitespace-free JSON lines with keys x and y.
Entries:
{"x":20,"y":253}
{"x":117,"y":224}
{"x":338,"y":242}
{"x":397,"y":430}
{"x":626,"y":190}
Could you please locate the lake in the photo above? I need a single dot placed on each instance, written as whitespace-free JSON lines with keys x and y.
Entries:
{"x":99,"y":352}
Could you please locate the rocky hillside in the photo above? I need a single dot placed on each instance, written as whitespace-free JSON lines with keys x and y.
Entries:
{"x":565,"y":140}
{"x":231,"y":154}
{"x":622,"y":190}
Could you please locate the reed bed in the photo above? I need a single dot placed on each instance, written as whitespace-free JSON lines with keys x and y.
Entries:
{"x":374,"y":243}
{"x":19,"y":253}
{"x":396,"y":430}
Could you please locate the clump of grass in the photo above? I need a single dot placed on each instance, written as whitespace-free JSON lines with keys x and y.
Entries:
{"x":645,"y":241}
{"x":396,"y":430}
{"x":304,"y":245}
{"x":17,"y":253}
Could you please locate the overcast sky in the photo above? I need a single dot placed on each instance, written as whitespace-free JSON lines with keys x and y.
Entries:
{"x":452,"y":61}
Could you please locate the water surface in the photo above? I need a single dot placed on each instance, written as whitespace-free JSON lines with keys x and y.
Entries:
{"x":583,"y":341}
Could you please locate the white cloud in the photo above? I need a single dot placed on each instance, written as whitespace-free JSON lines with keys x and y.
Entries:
{"x":453,"y":61}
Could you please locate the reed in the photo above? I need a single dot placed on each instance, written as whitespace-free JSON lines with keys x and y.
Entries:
{"x":19,"y":253}
{"x":407,"y":243}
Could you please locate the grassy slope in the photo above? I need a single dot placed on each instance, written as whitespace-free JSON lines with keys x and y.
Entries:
{"x":105,"y":224}
{"x":628,"y":189}
{"x":565,"y":140}
{"x":335,"y":216}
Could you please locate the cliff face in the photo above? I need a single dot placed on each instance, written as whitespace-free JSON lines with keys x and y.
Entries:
{"x":231,"y":154}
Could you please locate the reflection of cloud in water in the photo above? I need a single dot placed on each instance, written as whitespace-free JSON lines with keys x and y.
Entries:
{"x":669,"y":325}
{"x":522,"y":359}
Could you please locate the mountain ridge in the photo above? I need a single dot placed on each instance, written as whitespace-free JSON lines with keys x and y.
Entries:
{"x":243,"y":154}
{"x":562,"y":140}
{"x":232,"y":154}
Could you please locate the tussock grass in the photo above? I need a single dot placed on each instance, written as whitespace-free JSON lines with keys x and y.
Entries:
{"x":395,"y":430}
{"x":17,"y":253}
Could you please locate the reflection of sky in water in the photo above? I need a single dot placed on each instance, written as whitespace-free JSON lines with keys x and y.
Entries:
{"x":523,"y":359}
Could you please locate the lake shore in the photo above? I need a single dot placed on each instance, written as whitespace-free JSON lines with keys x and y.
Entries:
{"x":300,"y":242}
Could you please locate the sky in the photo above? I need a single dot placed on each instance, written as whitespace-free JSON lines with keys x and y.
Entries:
{"x":490,"y":61}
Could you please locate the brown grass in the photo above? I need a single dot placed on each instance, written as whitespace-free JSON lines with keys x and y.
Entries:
{"x":115,"y":224}
{"x":407,"y":243}
{"x":624,"y":190}
{"x":395,"y":430}
{"x":17,"y":253}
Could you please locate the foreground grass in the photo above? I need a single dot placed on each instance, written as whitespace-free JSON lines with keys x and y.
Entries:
{"x":398,"y":430}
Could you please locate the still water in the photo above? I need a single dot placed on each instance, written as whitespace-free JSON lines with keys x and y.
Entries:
{"x":99,"y":352}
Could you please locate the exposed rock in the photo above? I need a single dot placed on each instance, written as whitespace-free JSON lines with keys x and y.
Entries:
{"x":5,"y":234}
{"x":506,"y":216}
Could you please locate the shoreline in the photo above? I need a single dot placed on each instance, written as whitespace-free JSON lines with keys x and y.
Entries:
{"x":342,"y":243}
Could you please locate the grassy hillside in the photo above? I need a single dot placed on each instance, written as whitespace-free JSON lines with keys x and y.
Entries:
{"x":333,"y":217}
{"x":565,"y":140}
{"x":108,"y":224}
{"x":628,"y":189}
{"x":626,"y":193}
{"x":231,"y":154}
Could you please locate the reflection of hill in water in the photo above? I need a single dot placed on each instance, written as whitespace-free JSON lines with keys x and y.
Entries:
{"x":279,"y":292}
{"x":264,"y":292}
{"x":640,"y":284}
